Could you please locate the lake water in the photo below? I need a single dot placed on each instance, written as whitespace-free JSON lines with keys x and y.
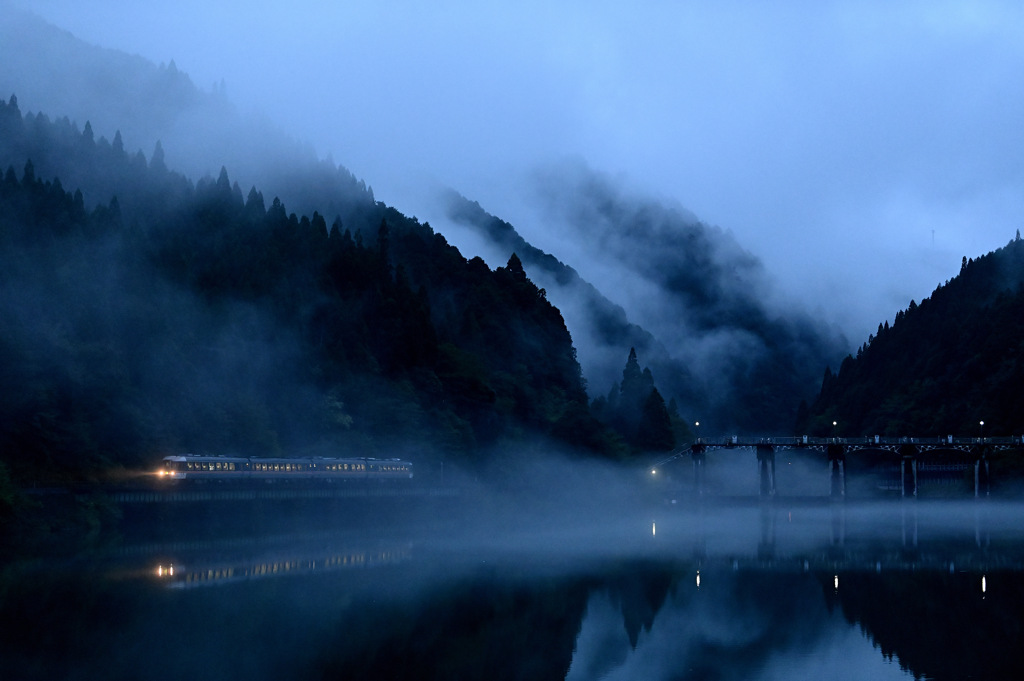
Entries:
{"x":716,"y":591}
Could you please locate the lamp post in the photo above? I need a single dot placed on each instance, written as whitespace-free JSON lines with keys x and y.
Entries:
{"x":696,"y":425}
{"x":981,"y":430}
{"x":835,"y":437}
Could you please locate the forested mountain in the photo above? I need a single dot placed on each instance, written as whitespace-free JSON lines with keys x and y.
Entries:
{"x":177,"y":315}
{"x":944,"y":365}
{"x":600,"y":325}
{"x":700,"y":307}
{"x":714,"y":344}
{"x":201,"y":130}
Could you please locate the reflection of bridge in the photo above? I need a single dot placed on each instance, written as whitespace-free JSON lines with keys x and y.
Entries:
{"x":884,"y":536}
{"x":910,"y":450}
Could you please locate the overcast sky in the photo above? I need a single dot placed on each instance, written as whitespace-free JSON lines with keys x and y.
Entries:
{"x":859,"y":148}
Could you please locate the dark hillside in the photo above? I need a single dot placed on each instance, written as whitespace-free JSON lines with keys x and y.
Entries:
{"x":945,"y":365}
{"x":177,"y":316}
{"x":720,"y":347}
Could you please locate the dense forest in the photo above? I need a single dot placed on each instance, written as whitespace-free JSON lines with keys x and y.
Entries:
{"x":944,"y":365}
{"x":177,"y":316}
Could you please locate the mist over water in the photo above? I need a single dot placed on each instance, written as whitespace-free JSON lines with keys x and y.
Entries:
{"x":502,"y":584}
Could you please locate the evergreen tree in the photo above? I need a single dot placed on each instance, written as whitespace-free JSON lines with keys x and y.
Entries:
{"x":156,"y":161}
{"x":655,"y":430}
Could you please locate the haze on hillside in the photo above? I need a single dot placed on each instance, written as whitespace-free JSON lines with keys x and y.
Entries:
{"x":859,"y":149}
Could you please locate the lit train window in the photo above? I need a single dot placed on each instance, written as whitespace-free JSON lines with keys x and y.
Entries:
{"x":231,"y":466}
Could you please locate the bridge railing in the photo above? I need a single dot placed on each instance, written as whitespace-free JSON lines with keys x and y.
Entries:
{"x":865,"y":442}
{"x":805,"y":441}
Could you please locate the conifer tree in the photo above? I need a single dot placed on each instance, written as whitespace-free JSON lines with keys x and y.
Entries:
{"x":655,"y":428}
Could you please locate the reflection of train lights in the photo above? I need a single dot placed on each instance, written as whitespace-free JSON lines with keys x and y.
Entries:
{"x":698,"y":579}
{"x":189,"y":578}
{"x":835,"y":582}
{"x":983,"y":586}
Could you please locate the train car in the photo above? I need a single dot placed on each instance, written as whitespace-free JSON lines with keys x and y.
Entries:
{"x":281,"y":468}
{"x":341,"y":469}
{"x":389,"y":469}
{"x":200,"y":467}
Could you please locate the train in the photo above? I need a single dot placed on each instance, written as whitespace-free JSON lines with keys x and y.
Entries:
{"x":222,"y":468}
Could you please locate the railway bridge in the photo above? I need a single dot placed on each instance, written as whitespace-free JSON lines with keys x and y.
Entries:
{"x":915,"y":455}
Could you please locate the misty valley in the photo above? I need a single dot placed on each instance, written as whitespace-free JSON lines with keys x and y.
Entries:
{"x":256,"y":423}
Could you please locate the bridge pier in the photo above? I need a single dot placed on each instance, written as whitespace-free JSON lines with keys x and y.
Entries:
{"x":908,"y":474}
{"x":837,"y":470}
{"x":981,"y":474}
{"x":981,"y":470}
{"x":766,"y":468}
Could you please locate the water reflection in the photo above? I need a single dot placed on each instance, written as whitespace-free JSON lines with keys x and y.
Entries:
{"x":735,"y":626}
{"x":845,"y":591}
{"x":207,"y":572}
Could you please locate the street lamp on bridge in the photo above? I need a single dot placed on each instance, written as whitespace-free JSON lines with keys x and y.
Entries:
{"x":981,"y":430}
{"x":696,"y":425}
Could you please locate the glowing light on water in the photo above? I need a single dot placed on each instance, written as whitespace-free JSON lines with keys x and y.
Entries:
{"x":983,"y":585}
{"x":835,"y":582}
{"x":698,"y":579}
{"x":654,"y":529}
